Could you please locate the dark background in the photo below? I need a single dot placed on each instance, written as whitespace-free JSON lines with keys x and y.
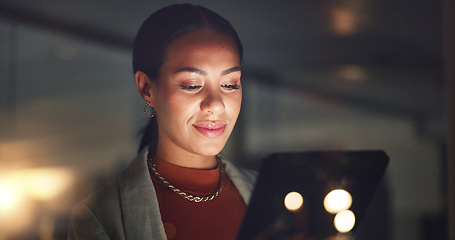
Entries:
{"x":317,"y":75}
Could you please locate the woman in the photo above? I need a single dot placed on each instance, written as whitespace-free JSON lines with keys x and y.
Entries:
{"x":186,"y":61}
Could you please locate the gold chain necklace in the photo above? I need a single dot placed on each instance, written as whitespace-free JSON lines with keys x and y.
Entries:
{"x":185,"y":195}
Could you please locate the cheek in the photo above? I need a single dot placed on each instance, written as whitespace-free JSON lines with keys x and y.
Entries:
{"x":166,"y":104}
{"x":178,"y":108}
{"x":235,"y":104}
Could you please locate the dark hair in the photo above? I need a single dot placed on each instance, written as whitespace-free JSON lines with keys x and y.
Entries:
{"x":159,"y":30}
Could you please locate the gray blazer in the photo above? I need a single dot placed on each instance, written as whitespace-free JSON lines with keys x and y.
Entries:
{"x":127,"y":208}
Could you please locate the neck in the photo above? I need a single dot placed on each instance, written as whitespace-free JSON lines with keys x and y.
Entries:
{"x":185,"y":159}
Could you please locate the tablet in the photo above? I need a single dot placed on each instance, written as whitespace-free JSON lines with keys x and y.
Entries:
{"x":312,"y":195}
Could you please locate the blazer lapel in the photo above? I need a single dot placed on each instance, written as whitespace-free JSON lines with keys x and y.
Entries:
{"x":243,"y":179}
{"x":140,"y":209}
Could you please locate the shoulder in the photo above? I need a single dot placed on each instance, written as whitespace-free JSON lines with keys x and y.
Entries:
{"x":232,"y":170}
{"x":97,"y":216}
{"x":109,"y":196}
{"x":102,"y":211}
{"x":103,"y":201}
{"x":248,"y":174}
{"x":242,"y":178}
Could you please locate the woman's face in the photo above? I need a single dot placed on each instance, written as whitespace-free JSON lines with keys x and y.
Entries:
{"x":197,"y":96}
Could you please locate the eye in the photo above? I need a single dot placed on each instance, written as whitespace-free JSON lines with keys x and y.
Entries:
{"x":191,"y":88}
{"x":231,"y":87}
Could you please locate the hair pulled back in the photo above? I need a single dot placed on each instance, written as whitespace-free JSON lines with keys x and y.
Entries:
{"x":155,"y":34}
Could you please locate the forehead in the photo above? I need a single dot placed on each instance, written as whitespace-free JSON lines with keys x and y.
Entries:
{"x":198,"y":43}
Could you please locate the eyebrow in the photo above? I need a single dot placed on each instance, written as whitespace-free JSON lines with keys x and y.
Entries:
{"x":231,"y":70}
{"x":204,"y":73}
{"x":192,"y":70}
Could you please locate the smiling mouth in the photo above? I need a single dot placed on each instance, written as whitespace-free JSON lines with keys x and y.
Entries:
{"x":210,"y":129}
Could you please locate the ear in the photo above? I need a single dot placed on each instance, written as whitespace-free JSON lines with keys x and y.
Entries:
{"x":145,"y":87}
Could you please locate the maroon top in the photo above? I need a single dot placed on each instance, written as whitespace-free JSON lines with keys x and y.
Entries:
{"x":182,"y":219}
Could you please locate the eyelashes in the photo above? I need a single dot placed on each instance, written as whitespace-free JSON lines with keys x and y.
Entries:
{"x":195,"y":88}
{"x":191,"y":88}
{"x":231,"y":87}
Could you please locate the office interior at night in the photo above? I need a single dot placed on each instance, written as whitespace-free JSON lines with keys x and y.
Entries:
{"x":316,"y":75}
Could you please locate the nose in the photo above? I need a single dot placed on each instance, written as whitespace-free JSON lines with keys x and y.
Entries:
{"x":212,"y":103}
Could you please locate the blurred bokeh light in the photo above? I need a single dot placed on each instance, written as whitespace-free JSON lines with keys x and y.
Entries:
{"x":317,"y":75}
{"x":24,"y":192}
{"x":344,"y":221}
{"x":337,"y":200}
{"x":293,"y":201}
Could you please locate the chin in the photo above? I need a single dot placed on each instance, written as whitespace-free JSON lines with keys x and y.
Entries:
{"x":210,"y":149}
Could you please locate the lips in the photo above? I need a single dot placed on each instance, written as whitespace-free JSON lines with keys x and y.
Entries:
{"x":210,"y":129}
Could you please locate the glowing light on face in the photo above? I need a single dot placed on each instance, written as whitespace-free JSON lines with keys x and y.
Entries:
{"x":344,"y":221}
{"x":337,"y":200}
{"x":293,"y":201}
{"x":199,"y":94}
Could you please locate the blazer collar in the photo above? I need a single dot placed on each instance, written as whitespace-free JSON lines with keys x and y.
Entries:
{"x":242,"y":179}
{"x":140,"y":208}
{"x":139,"y":204}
